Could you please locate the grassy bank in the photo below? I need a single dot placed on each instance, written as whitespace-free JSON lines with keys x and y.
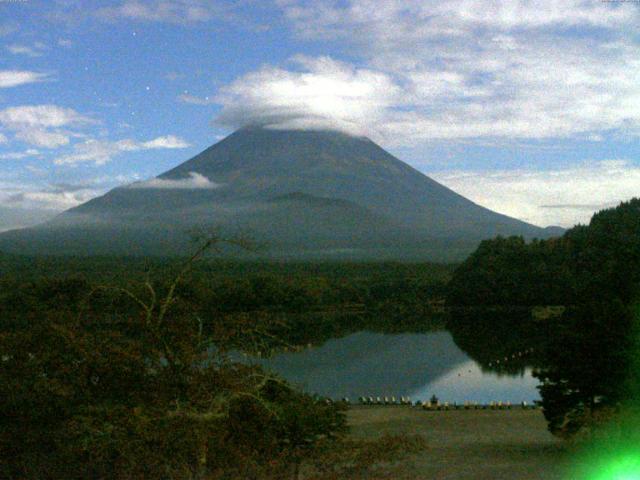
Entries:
{"x":476,"y":444}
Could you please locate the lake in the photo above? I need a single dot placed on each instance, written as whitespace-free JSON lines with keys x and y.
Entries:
{"x":417,"y":365}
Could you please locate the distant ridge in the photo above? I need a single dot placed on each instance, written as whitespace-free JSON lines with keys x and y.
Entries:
{"x":307,"y":194}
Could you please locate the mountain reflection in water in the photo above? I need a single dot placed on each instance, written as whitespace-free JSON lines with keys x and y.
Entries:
{"x":416,"y":365}
{"x":467,"y":382}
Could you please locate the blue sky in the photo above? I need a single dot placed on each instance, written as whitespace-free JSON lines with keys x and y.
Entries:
{"x":531,"y":108}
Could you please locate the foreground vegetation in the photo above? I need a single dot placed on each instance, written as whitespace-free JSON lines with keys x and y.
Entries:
{"x":132,"y":379}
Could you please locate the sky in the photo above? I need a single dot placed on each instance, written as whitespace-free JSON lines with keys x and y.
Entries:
{"x":528,"y":107}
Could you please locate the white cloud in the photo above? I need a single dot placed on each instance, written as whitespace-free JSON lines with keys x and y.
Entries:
{"x":13,"y":78}
{"x":24,"y":204}
{"x":100,"y":152}
{"x":95,"y":151}
{"x":41,"y":125}
{"x":552,"y":197}
{"x":43,"y":116}
{"x":389,"y":20}
{"x":42,"y":138}
{"x":194,"y":181}
{"x":31,"y":152}
{"x":35,"y":50}
{"x":3,"y":139}
{"x":171,"y":11}
{"x":56,"y":201}
{"x":324,"y":94}
{"x":168,"y":141}
{"x":456,"y":70}
{"x":540,"y":13}
{"x":65,"y":43}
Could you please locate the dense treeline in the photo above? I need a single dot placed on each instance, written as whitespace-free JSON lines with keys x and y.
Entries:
{"x":103,"y":268}
{"x":305,"y":303}
{"x":598,"y":261}
{"x":509,"y":271}
{"x":584,"y":352}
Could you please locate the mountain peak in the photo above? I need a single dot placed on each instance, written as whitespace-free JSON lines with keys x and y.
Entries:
{"x":304,"y":192}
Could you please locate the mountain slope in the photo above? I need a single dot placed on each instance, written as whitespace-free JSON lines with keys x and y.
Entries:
{"x":306,"y":193}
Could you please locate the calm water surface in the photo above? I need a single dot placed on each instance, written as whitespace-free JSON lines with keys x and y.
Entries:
{"x":415,"y":365}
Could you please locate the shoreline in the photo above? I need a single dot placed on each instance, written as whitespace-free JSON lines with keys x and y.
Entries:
{"x":468,"y":444}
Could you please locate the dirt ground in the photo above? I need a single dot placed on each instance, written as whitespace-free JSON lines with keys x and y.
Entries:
{"x":469,"y":444}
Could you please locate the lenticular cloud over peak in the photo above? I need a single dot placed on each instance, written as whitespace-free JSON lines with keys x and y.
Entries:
{"x":322,"y":94}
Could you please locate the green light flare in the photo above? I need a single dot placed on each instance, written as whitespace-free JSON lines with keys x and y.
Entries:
{"x":614,"y":454}
{"x":623,"y":467}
